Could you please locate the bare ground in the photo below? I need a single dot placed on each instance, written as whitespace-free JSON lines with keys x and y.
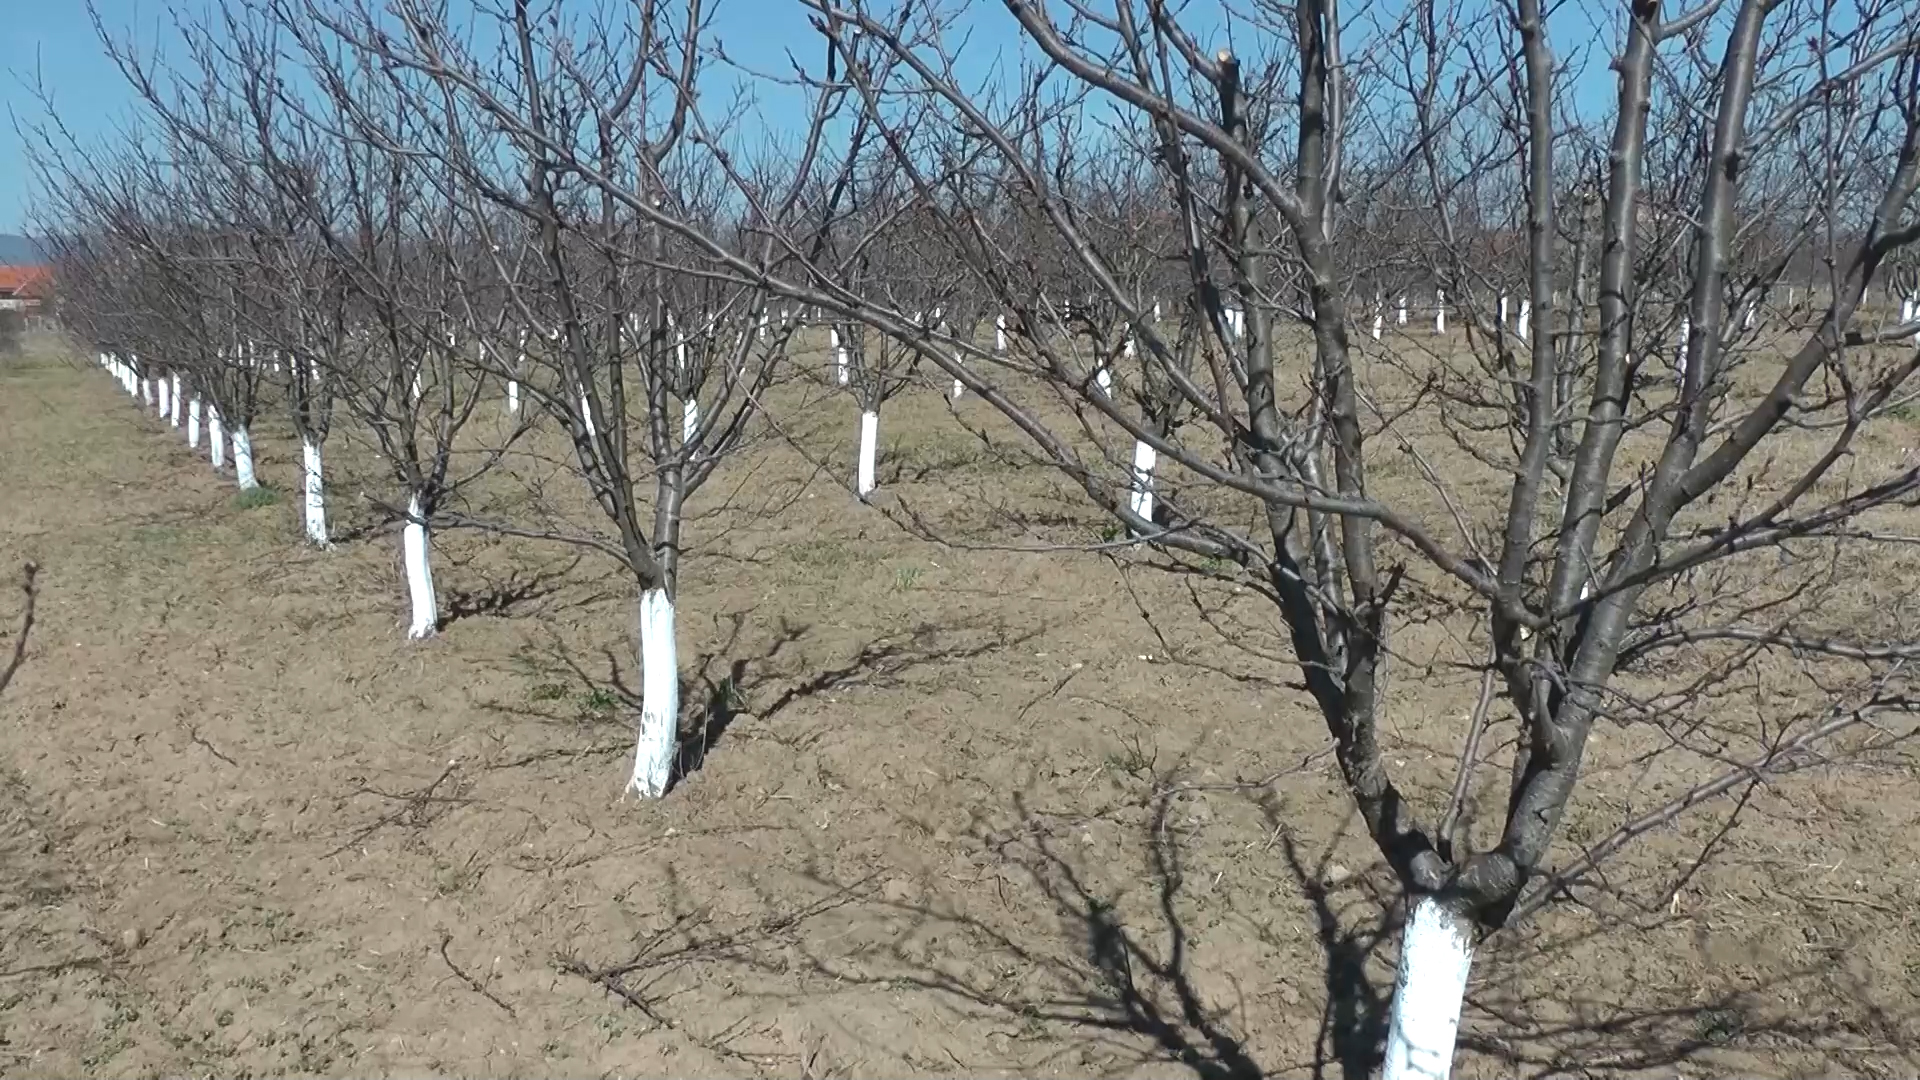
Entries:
{"x":959,"y":812}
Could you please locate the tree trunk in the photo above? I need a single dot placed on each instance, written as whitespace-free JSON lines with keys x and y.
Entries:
{"x":216,"y":439}
{"x":243,"y":458}
{"x":659,"y":739}
{"x":315,"y":494}
{"x":173,"y":402}
{"x":1144,"y":459}
{"x":869,"y":445}
{"x":193,"y":425}
{"x":689,"y":419}
{"x":1436,"y":952}
{"x":419,"y":567}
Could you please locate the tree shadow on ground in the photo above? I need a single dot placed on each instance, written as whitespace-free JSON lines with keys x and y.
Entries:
{"x":731,"y":679}
{"x":508,"y":596}
{"x":1121,"y":976}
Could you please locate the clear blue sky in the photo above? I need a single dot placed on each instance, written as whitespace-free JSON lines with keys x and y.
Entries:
{"x":53,"y":42}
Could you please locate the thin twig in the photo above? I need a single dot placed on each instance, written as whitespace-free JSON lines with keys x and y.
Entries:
{"x":478,"y":986}
{"x":28,"y":573}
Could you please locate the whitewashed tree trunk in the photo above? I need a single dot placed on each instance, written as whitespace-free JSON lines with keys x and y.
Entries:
{"x":1680,"y":356}
{"x":1141,"y":498}
{"x":419,"y":566}
{"x":416,"y":387}
{"x":173,"y":402}
{"x":216,"y":439}
{"x":959,"y":388}
{"x":1379,"y":321}
{"x":839,"y":355}
{"x":243,"y":459}
{"x":513,"y":397}
{"x":1503,"y":310}
{"x":1439,"y":311}
{"x":1436,"y":953}
{"x":159,"y":401}
{"x":999,"y":333}
{"x":193,"y":424}
{"x":1526,"y":320}
{"x":586,"y":413}
{"x":689,"y":419}
{"x":869,"y":445}
{"x":1403,"y":311}
{"x":659,"y":737}
{"x":315,"y":489}
{"x":1103,"y":380}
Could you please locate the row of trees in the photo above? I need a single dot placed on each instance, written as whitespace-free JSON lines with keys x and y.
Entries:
{"x":1176,"y":272}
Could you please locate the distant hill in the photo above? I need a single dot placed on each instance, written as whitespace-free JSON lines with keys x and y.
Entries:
{"x":19,"y":251}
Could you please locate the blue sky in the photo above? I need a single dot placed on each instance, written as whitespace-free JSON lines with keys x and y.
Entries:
{"x":53,"y":42}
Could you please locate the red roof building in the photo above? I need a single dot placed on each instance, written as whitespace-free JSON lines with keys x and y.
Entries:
{"x":24,"y":288}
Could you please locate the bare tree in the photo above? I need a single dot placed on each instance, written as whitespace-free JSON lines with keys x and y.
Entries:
{"x":1668,"y":482}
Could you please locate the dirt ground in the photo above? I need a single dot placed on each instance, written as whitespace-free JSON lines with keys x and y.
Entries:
{"x":959,"y":813}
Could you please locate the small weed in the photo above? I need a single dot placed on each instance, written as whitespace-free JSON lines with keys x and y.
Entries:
{"x":1134,"y":759}
{"x":1109,"y":533}
{"x":1719,"y":1027}
{"x":730,"y":698}
{"x":598,"y":702}
{"x":905,"y":577}
{"x":255,"y":498}
{"x":1904,"y":411}
{"x":547,"y":692}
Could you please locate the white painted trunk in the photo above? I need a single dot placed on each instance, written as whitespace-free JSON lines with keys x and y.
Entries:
{"x":416,"y":388}
{"x":1748,"y":318}
{"x":1526,"y":320}
{"x":513,"y":397}
{"x":173,"y":402}
{"x":1403,"y":311}
{"x":216,"y":439}
{"x":999,"y":333}
{"x":1503,"y":310}
{"x":1104,"y":380}
{"x":659,"y":738}
{"x":1379,"y":321}
{"x":1680,"y":357}
{"x":1439,"y":311}
{"x":160,"y":386}
{"x":762,"y":335}
{"x":193,"y":424}
{"x":869,"y":445}
{"x":959,"y":388}
{"x":586,"y":414}
{"x":316,"y":502}
{"x":419,"y":567}
{"x":689,"y":419}
{"x":1156,"y":311}
{"x":243,"y":459}
{"x":1141,"y":499}
{"x":1436,"y":952}
{"x":839,"y":355}
{"x":680,"y":354}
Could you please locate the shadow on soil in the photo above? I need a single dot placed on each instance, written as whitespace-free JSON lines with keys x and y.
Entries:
{"x":1125,"y":992}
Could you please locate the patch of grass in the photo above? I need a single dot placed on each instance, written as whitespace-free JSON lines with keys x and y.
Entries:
{"x":905,"y":577}
{"x":825,"y":554}
{"x":255,"y":498}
